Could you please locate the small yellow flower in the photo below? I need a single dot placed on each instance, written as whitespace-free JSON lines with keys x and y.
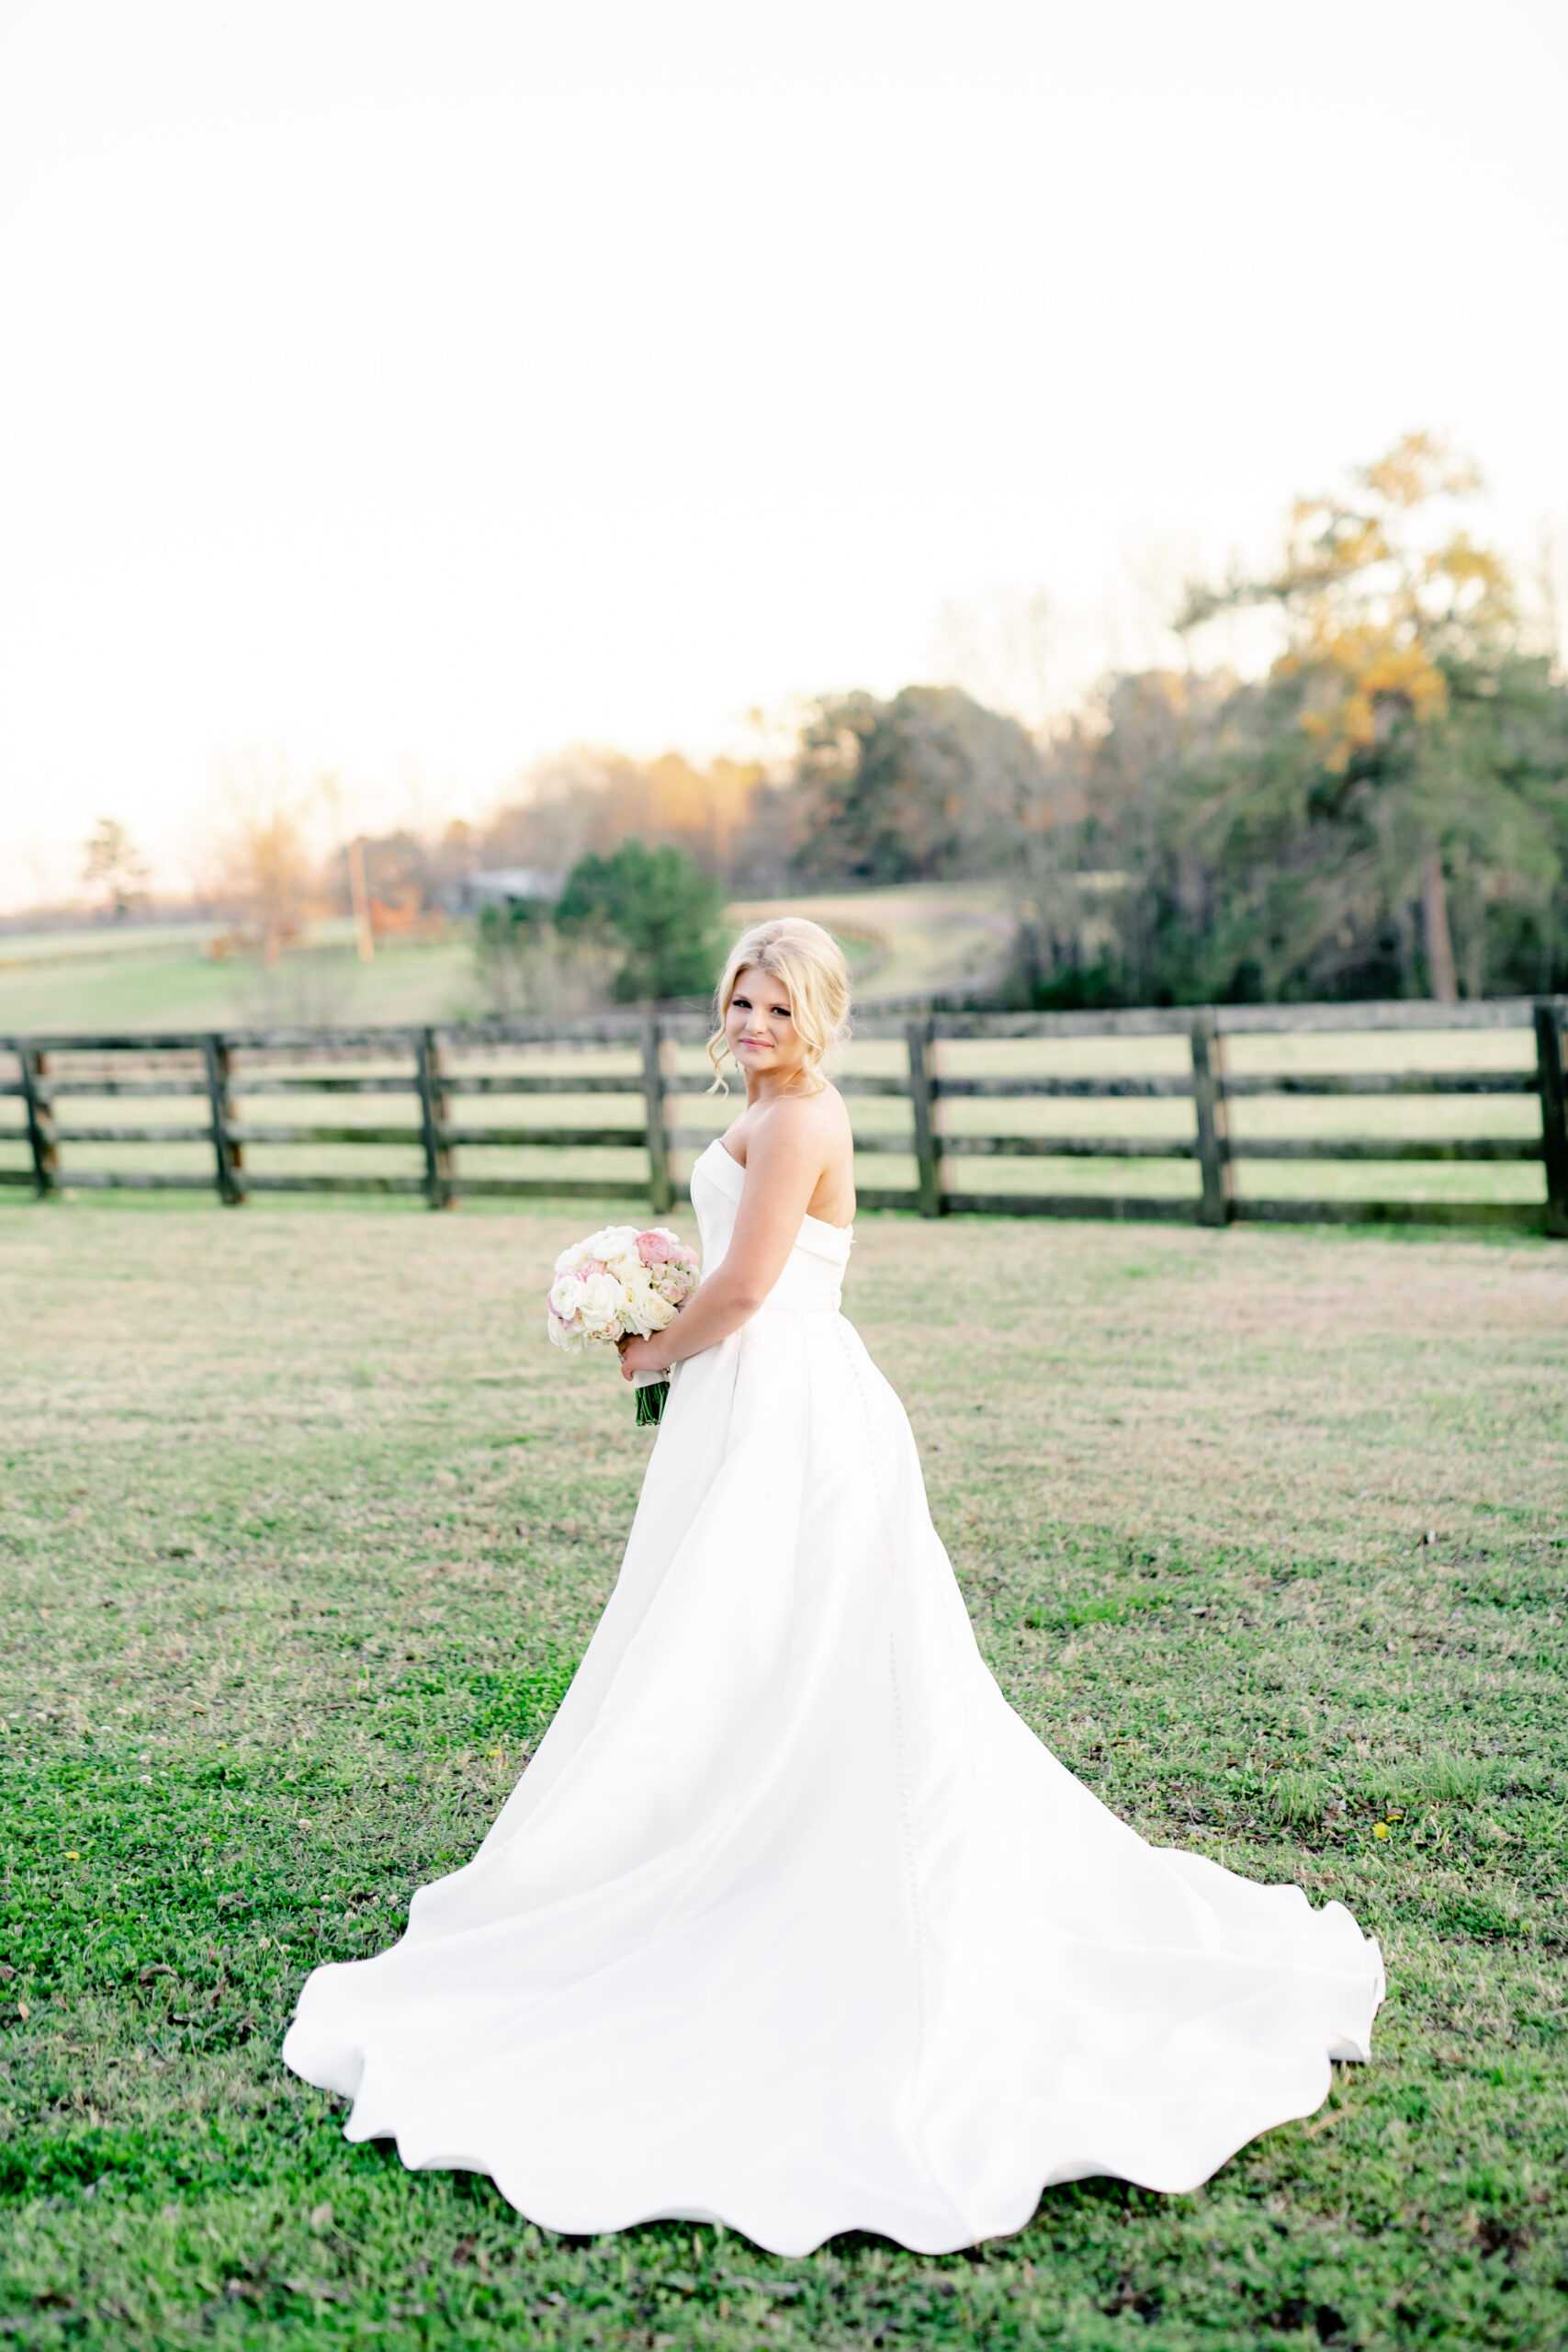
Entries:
{"x":72,"y":1855}
{"x":1380,"y":1829}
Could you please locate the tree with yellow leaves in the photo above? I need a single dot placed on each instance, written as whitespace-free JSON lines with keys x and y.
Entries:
{"x":1395,"y":757}
{"x":587,"y":802}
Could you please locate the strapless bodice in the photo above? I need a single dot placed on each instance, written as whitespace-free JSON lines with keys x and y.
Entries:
{"x":812,"y":1280}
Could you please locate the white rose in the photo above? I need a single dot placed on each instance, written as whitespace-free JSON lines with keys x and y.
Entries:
{"x":646,"y":1311}
{"x":602,"y":1299}
{"x":635,"y":1312}
{"x":566,"y":1296}
{"x":610,"y":1241}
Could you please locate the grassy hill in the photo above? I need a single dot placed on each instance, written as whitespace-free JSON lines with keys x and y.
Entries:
{"x":175,"y":977}
{"x":180,"y":983}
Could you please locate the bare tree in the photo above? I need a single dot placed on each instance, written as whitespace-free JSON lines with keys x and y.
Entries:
{"x":114,"y":868}
{"x":263,"y":851}
{"x":587,"y":802}
{"x":1001,"y":647}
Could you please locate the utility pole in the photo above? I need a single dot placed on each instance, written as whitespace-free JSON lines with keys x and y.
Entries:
{"x":365,"y":937}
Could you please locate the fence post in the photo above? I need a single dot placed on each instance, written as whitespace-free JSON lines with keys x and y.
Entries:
{"x":432,"y":1121}
{"x":40,"y":1121}
{"x":1553,"y":1113}
{"x":220,"y":1115}
{"x":1214,"y":1131}
{"x":660,"y":1190}
{"x":919,"y":1037}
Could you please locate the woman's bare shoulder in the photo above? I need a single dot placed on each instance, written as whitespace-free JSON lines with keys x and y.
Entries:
{"x":805,"y":1140}
{"x":797,"y":1127}
{"x":823,"y":1114}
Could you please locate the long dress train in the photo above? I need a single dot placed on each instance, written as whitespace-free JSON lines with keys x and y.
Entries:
{"x":792,"y":1923}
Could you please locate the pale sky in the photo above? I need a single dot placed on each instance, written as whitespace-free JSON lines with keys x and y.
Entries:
{"x":415,"y":388}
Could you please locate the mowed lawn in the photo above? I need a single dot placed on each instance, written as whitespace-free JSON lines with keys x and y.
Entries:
{"x":302,"y":1528}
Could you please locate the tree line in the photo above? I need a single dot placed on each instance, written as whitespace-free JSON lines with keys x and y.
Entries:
{"x":1383,"y":812}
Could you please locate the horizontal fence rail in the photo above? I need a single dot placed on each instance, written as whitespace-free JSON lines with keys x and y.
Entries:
{"x":426,"y":1080}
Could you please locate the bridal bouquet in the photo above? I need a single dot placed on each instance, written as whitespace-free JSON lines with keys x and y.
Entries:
{"x":617,"y":1283}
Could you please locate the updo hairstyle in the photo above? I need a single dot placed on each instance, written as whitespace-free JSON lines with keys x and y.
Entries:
{"x":810,"y":965}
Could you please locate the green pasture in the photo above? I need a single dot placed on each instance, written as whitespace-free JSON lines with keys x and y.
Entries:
{"x":170,"y":979}
{"x":303,"y":1527}
{"x":171,"y":975}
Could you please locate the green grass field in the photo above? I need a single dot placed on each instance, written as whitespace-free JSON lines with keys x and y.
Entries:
{"x":163,"y":976}
{"x":302,"y":1528}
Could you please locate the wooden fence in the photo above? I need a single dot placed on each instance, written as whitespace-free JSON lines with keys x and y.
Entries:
{"x":452,"y":1080}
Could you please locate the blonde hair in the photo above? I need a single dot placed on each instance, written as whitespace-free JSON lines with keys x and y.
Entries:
{"x":809,"y":964}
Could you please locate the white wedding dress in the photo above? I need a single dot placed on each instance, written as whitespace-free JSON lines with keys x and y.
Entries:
{"x":792,"y":1923}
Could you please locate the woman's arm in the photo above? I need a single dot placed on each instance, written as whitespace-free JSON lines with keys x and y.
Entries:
{"x":787,"y":1155}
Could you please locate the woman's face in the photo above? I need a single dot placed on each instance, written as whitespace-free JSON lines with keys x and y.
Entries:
{"x":758,"y":1027}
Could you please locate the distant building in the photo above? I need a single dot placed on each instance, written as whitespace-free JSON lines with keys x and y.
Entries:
{"x":502,"y":886}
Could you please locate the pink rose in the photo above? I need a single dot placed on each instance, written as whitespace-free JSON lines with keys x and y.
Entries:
{"x":677,"y":1279}
{"x":656,"y":1249}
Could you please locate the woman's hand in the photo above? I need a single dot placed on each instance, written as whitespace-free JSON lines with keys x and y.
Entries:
{"x":643,"y":1355}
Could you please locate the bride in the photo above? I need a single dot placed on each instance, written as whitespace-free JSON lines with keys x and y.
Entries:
{"x":791,"y":1922}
